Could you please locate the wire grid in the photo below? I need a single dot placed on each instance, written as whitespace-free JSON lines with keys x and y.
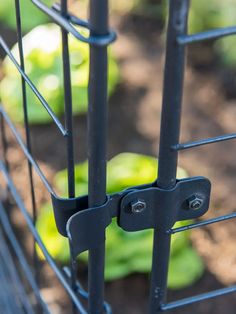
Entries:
{"x":100,"y":37}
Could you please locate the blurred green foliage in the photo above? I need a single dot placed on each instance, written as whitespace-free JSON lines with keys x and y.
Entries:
{"x":225,"y":48}
{"x":31,"y":16}
{"x":126,"y":253}
{"x":205,"y":15}
{"x":7,"y":11}
{"x":43,"y":61}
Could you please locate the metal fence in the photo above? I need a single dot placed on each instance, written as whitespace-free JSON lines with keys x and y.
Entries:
{"x":84,"y":219}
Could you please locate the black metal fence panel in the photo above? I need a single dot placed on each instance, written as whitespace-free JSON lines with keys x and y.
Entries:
{"x":83,"y":220}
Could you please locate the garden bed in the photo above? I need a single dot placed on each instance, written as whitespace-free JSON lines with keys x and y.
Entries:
{"x":134,"y":123}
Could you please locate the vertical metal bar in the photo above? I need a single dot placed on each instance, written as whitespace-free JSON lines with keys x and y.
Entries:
{"x":68,"y":104}
{"x":4,"y":141}
{"x":73,"y":275}
{"x":97,"y":129}
{"x":170,"y":130}
{"x":26,"y":123}
{"x":69,"y":129}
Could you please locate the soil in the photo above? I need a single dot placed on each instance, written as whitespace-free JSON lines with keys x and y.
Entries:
{"x":134,"y":123}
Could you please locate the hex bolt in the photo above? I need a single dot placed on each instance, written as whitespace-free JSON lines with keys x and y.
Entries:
{"x":195,"y":202}
{"x":138,"y":206}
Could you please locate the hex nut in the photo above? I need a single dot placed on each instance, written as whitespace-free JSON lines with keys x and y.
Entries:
{"x":195,"y":202}
{"x":138,"y":206}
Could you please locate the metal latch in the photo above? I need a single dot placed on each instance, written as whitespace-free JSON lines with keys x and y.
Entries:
{"x":136,"y":209}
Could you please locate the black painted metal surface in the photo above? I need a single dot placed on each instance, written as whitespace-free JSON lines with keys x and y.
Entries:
{"x":84,"y":220}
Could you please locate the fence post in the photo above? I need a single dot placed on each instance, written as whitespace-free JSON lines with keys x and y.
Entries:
{"x":97,"y":129}
{"x":170,"y":129}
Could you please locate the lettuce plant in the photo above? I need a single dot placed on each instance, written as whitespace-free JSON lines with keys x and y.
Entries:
{"x":7,"y":11}
{"x":43,"y":61}
{"x":205,"y":15}
{"x":126,"y":253}
{"x":28,"y":10}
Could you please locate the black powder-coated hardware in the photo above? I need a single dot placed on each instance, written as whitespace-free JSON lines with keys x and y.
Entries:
{"x":195,"y":202}
{"x":75,"y":220}
{"x":137,"y":206}
{"x":158,"y":199}
{"x":66,"y":22}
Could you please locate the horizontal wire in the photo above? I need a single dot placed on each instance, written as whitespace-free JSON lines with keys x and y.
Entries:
{"x":63,"y":22}
{"x":15,"y":279}
{"x":102,"y":40}
{"x":33,"y":87}
{"x":197,"y":298}
{"x":39,"y":241}
{"x":207,"y":35}
{"x":84,"y":293}
{"x":26,"y":151}
{"x":202,"y":223}
{"x":71,"y":17}
{"x":21,"y":258}
{"x":217,"y":33}
{"x":202,"y":142}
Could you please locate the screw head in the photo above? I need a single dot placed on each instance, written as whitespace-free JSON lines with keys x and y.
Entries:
{"x":138,"y":206}
{"x":195,"y":202}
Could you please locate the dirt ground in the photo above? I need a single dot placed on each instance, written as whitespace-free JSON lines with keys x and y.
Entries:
{"x":134,"y":123}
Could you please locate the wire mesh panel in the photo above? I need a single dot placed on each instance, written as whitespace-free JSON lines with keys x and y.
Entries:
{"x":83,"y":220}
{"x":99,"y":39}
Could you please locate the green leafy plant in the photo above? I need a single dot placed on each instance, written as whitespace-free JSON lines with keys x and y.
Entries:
{"x":43,"y":61}
{"x":126,"y":253}
{"x":7,"y":11}
{"x":31,"y":16}
{"x":205,"y":15}
{"x":225,"y":49}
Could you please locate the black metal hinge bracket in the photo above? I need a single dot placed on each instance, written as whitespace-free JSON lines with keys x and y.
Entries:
{"x":136,"y":209}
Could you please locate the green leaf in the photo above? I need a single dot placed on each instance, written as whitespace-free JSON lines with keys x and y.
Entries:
{"x":225,"y":51}
{"x":30,"y":15}
{"x":56,"y":244}
{"x":185,"y":268}
{"x":123,"y":171}
{"x":43,"y":60}
{"x":206,"y":15}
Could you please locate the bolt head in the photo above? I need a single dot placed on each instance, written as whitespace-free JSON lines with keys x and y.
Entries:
{"x":138,"y":206}
{"x":195,"y":202}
